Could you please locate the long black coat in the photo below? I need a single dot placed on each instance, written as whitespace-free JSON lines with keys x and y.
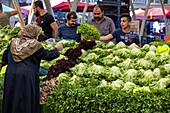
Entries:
{"x":21,"y":84}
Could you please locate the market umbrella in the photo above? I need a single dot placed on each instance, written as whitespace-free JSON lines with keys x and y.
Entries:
{"x":154,"y":13}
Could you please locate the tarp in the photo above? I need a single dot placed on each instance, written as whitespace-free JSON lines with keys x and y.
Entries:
{"x":25,"y":9}
{"x":63,"y":6}
{"x":6,"y":8}
{"x":137,"y":11}
{"x":154,"y":13}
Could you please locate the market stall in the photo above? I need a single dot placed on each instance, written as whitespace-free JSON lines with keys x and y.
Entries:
{"x":92,"y":76}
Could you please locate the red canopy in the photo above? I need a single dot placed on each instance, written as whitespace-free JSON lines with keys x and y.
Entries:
{"x":154,"y":13}
{"x":63,"y":6}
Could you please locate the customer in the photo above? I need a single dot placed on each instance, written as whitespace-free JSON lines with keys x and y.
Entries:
{"x":124,"y":34}
{"x":21,"y":85}
{"x":45,"y":20}
{"x":5,"y":17}
{"x":104,"y":24}
{"x":68,"y":30}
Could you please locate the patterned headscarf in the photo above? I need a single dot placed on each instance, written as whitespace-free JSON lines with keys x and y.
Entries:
{"x":26,"y":44}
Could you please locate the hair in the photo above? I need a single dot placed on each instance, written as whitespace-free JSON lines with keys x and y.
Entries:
{"x":126,"y":15}
{"x":39,"y":3}
{"x":71,"y":15}
{"x":98,"y":6}
{"x":0,"y":6}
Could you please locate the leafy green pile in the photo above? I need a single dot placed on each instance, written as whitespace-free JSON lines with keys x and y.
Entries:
{"x":88,"y":31}
{"x":115,"y":78}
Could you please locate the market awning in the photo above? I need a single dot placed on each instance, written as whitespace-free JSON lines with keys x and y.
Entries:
{"x":154,"y":13}
{"x":63,"y":6}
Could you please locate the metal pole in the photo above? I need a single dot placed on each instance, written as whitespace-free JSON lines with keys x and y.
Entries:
{"x":49,"y":8}
{"x":132,"y":9}
{"x":144,"y":19}
{"x":165,"y":19}
{"x":20,"y":17}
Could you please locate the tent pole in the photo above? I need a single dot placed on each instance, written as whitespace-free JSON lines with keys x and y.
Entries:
{"x":143,"y":21}
{"x":132,"y":9}
{"x":20,"y":17}
{"x":31,"y":13}
{"x":48,"y":6}
{"x":165,"y":19}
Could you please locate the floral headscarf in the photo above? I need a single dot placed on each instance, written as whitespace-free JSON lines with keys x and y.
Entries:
{"x":26,"y":44}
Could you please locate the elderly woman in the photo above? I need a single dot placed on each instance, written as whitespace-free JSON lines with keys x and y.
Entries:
{"x":21,"y":85}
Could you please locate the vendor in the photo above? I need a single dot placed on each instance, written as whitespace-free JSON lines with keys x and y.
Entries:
{"x":68,"y":30}
{"x":125,"y":34}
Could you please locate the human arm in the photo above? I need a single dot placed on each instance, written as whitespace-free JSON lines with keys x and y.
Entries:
{"x":49,"y":55}
{"x":12,"y":13}
{"x":55,"y":28}
{"x":107,"y":37}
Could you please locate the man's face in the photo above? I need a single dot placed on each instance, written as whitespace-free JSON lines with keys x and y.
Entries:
{"x":36,"y":12}
{"x":72,"y":22}
{"x":98,"y":14}
{"x":124,"y":22}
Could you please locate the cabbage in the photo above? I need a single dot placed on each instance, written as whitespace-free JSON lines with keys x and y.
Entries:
{"x":95,"y":70}
{"x":167,"y":68}
{"x":164,"y":58}
{"x":151,"y":55}
{"x":135,"y":52}
{"x":117,"y":84}
{"x":162,"y":83}
{"x":120,"y":45}
{"x":130,"y":75}
{"x":63,"y":77}
{"x":129,"y":86}
{"x":133,"y":46}
{"x":79,"y":69}
{"x":165,"y":45}
{"x":113,"y":73}
{"x":122,"y":52}
{"x":126,"y":64}
{"x":157,"y":72}
{"x":104,"y":83}
{"x":91,"y":57}
{"x":146,"y":47}
{"x":152,"y":48}
{"x":148,"y":78}
{"x":145,"y":64}
{"x":110,"y":45}
{"x":110,"y":60}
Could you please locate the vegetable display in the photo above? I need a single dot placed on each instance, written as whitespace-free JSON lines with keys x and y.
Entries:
{"x":88,"y":31}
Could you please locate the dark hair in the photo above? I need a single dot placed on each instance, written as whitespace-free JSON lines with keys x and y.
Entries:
{"x":0,"y":6}
{"x":39,"y":3}
{"x":126,"y":15}
{"x":98,"y":6}
{"x":71,"y":15}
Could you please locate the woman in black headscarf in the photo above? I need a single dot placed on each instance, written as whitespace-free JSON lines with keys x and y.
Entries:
{"x":21,"y":85}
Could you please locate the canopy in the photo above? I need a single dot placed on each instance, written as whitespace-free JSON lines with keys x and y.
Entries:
{"x":154,"y":13}
{"x":137,"y":11}
{"x":6,"y":8}
{"x":25,"y":9}
{"x":63,"y":6}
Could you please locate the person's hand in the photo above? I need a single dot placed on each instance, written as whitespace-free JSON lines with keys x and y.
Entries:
{"x":59,"y":46}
